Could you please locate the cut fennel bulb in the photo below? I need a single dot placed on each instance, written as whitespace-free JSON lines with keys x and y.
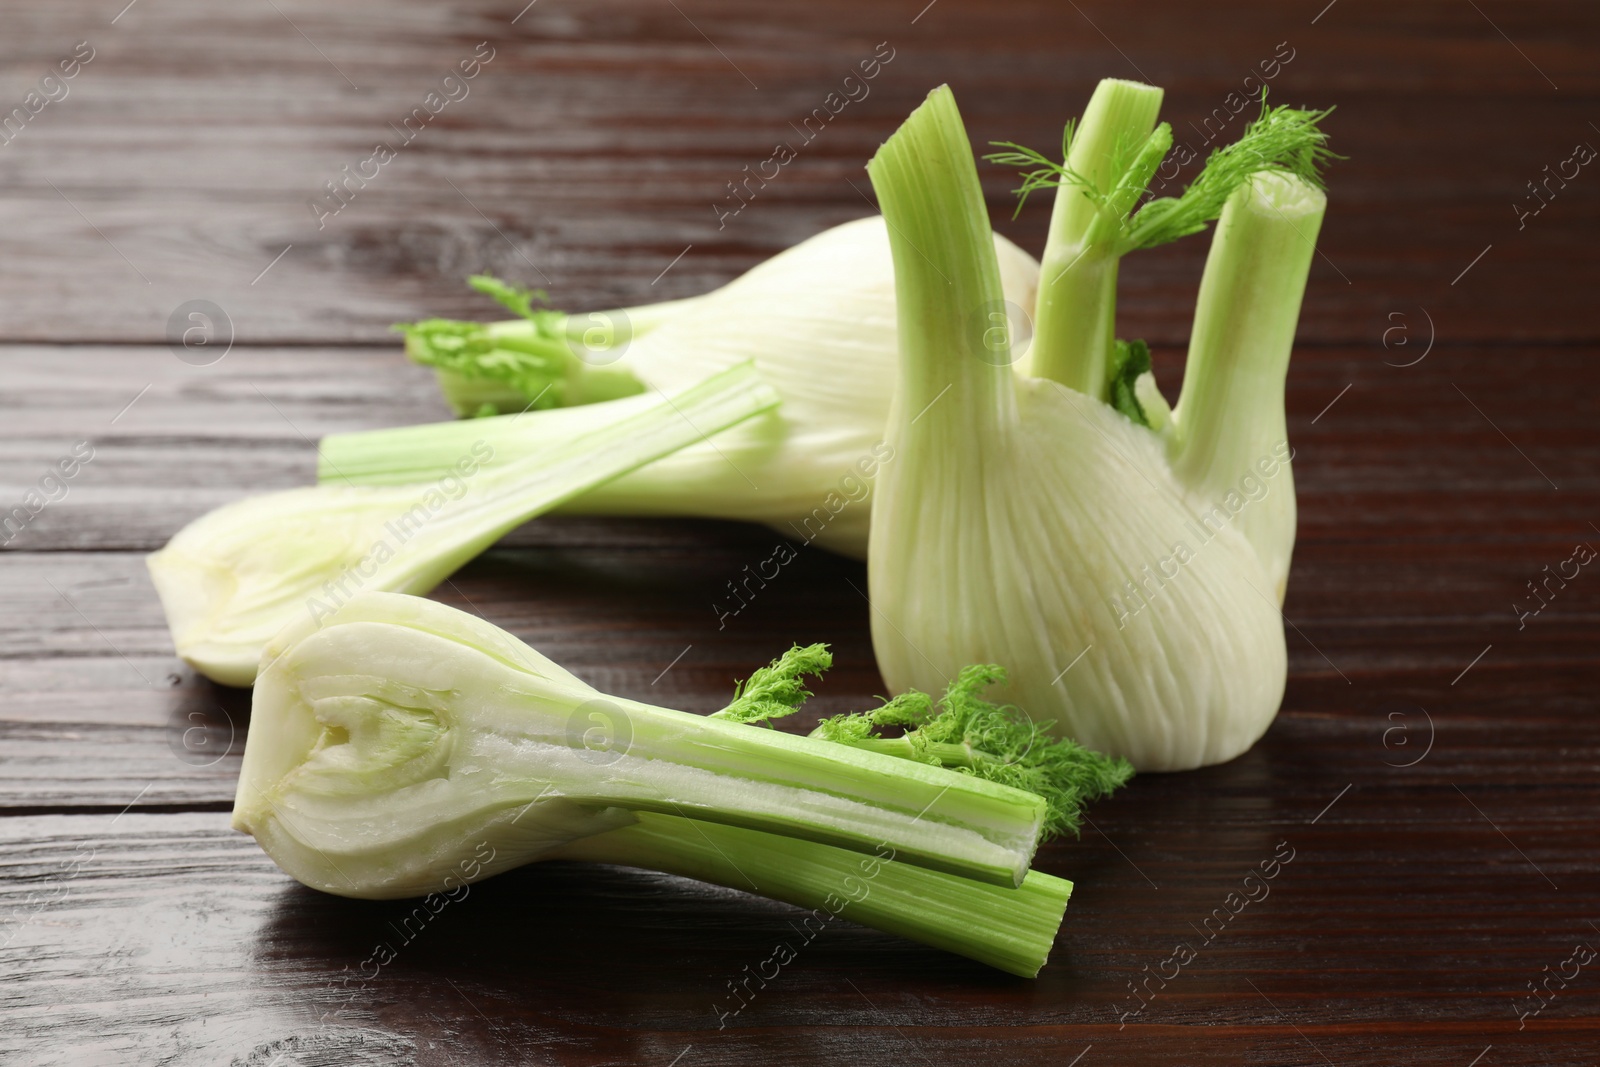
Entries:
{"x":233,"y":578}
{"x":1128,"y":579}
{"x":398,"y":731}
{"x":819,"y":321}
{"x":399,"y":745}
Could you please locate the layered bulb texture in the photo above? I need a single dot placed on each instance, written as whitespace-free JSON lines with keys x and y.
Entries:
{"x":1124,"y":562}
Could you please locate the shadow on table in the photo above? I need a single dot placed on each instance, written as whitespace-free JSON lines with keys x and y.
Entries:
{"x":628,"y":931}
{"x":564,"y":949}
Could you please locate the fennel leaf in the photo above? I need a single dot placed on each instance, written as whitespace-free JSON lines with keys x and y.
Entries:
{"x":778,"y":689}
{"x":962,"y":732}
{"x":1129,"y":359}
{"x":1046,"y":172}
{"x":997,"y":743}
{"x":1282,"y":139}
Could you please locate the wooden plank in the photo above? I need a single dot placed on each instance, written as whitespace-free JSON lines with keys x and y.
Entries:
{"x":1420,"y":527}
{"x":1434,"y":766}
{"x":1451,"y":448}
{"x":168,"y":936}
{"x":99,"y":707}
{"x":1419,"y":602}
{"x":593,"y":147}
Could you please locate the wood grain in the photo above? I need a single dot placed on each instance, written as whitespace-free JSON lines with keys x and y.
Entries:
{"x":1460,"y":446}
{"x":1359,"y":952}
{"x":591,"y":149}
{"x":1435,"y":765}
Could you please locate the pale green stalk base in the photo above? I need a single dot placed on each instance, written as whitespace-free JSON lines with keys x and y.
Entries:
{"x":468,"y":396}
{"x":1077,"y":322}
{"x":1011,"y":929}
{"x":1229,"y":434}
{"x":1076,"y":318}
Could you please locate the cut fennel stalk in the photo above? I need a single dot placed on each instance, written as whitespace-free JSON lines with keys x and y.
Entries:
{"x":401,"y":743}
{"x":545,"y":359}
{"x":819,"y":321}
{"x":233,"y":578}
{"x":1027,"y":522}
{"x":1010,"y":929}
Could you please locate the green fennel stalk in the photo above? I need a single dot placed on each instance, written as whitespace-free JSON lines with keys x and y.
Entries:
{"x":542,"y":359}
{"x":1010,"y":929}
{"x":1108,"y":160}
{"x":1230,"y":414}
{"x":1076,"y":318}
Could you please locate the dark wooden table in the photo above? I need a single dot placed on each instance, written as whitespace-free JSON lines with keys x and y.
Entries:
{"x":1434,"y":769}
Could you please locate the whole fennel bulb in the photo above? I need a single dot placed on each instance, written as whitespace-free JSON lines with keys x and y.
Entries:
{"x":1128,"y":577}
{"x":818,"y":319}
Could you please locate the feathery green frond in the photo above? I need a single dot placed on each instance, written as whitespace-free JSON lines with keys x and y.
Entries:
{"x":514,"y":298}
{"x":1282,"y":140}
{"x":997,"y":743}
{"x":1046,"y":172}
{"x":776,"y":690}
